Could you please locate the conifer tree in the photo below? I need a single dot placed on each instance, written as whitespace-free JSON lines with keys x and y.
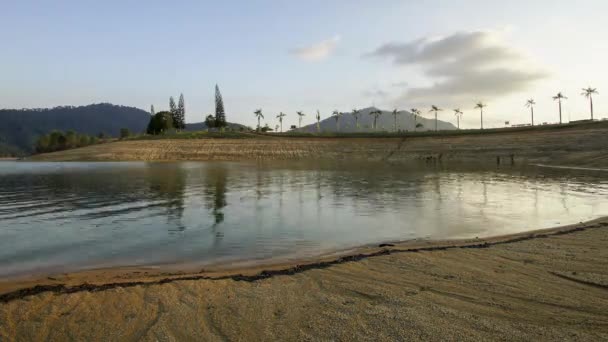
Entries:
{"x":173,"y":111}
{"x":152,"y":110}
{"x":181,"y":113}
{"x":220,"y":114}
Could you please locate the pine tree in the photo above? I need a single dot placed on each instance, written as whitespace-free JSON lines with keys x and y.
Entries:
{"x":152,"y":110}
{"x":220,"y":114}
{"x":173,"y":111}
{"x":181,"y":113}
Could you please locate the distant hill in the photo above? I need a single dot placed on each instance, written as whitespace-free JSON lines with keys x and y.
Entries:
{"x":19,"y":128}
{"x":199,"y":126}
{"x":405,"y":122}
{"x":9,"y":151}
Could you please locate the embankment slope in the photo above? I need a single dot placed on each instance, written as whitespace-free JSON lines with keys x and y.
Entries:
{"x":579,"y":145}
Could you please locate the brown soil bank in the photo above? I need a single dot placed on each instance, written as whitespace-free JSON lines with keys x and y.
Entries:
{"x":580,"y":145}
{"x":549,"y":288}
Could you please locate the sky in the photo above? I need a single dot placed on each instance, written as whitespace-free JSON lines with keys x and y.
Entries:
{"x":288,"y":56}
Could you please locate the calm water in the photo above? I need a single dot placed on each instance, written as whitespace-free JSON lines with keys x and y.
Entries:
{"x":59,"y":217}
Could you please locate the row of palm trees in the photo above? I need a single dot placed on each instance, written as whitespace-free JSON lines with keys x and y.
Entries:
{"x":530,"y":103}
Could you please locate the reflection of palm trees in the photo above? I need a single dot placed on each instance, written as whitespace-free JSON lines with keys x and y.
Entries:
{"x":215,"y":192}
{"x":564,"y":195}
{"x":169,"y":184}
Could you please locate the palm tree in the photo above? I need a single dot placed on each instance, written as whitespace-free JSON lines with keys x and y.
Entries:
{"x":376,"y":113}
{"x":559,"y":98}
{"x":336,"y":114}
{"x":588,"y":93}
{"x":301,"y":115}
{"x":395,"y":113}
{"x":318,"y":121}
{"x":415,"y":113}
{"x":280,"y":117}
{"x":458,"y":114}
{"x":530,"y":104}
{"x":259,"y":115}
{"x":481,"y":106}
{"x":356,"y":113}
{"x":435,"y":109}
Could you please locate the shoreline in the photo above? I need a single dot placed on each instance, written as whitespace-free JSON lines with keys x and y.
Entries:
{"x":566,"y":167}
{"x":547,"y":285}
{"x":577,"y":145}
{"x":123,"y":277}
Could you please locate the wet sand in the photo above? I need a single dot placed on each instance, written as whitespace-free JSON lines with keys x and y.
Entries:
{"x":545,"y":285}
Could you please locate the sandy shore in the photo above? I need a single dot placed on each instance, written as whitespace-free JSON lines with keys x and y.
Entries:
{"x":545,"y":285}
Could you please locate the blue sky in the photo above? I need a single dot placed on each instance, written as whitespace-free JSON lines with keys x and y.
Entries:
{"x":305,"y":55}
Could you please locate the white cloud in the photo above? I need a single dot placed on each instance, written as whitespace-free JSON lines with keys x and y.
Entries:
{"x":316,"y":52}
{"x":462,"y":67}
{"x":375,"y":93}
{"x":402,"y":84}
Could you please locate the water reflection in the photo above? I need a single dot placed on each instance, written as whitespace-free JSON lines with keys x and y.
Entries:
{"x":168,"y":188}
{"x":79,"y":215}
{"x":215,"y":179}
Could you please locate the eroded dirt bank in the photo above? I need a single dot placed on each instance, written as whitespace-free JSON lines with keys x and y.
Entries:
{"x":541,"y":287}
{"x":579,"y":145}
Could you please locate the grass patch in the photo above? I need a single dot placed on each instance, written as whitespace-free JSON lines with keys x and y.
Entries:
{"x":464,"y":132}
{"x":195,"y":135}
{"x":383,"y":134}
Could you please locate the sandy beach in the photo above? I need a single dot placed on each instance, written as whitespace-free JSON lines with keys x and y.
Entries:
{"x":543,"y":285}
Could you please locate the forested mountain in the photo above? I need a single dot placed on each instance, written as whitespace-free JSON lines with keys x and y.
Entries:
{"x":385,"y":122}
{"x":21,"y":127}
{"x":9,"y":151}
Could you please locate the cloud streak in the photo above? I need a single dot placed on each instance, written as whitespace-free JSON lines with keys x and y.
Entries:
{"x":316,"y":52}
{"x":462,"y":67}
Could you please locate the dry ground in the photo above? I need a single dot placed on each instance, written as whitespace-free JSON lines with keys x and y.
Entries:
{"x":580,"y":145}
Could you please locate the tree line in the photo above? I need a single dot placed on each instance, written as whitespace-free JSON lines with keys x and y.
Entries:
{"x":587,"y":92}
{"x":175,"y":117}
{"x":58,"y":141}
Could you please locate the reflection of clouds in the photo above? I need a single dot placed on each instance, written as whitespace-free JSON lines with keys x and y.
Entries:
{"x":241,"y":211}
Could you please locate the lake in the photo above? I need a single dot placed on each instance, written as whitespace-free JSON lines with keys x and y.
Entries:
{"x":65,"y":217}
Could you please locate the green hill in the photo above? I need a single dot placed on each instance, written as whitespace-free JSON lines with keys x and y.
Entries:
{"x":21,"y":127}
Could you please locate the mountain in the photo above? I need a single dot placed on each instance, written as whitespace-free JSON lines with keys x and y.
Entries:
{"x":385,"y":122}
{"x":21,"y":127}
{"x":9,"y":150}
